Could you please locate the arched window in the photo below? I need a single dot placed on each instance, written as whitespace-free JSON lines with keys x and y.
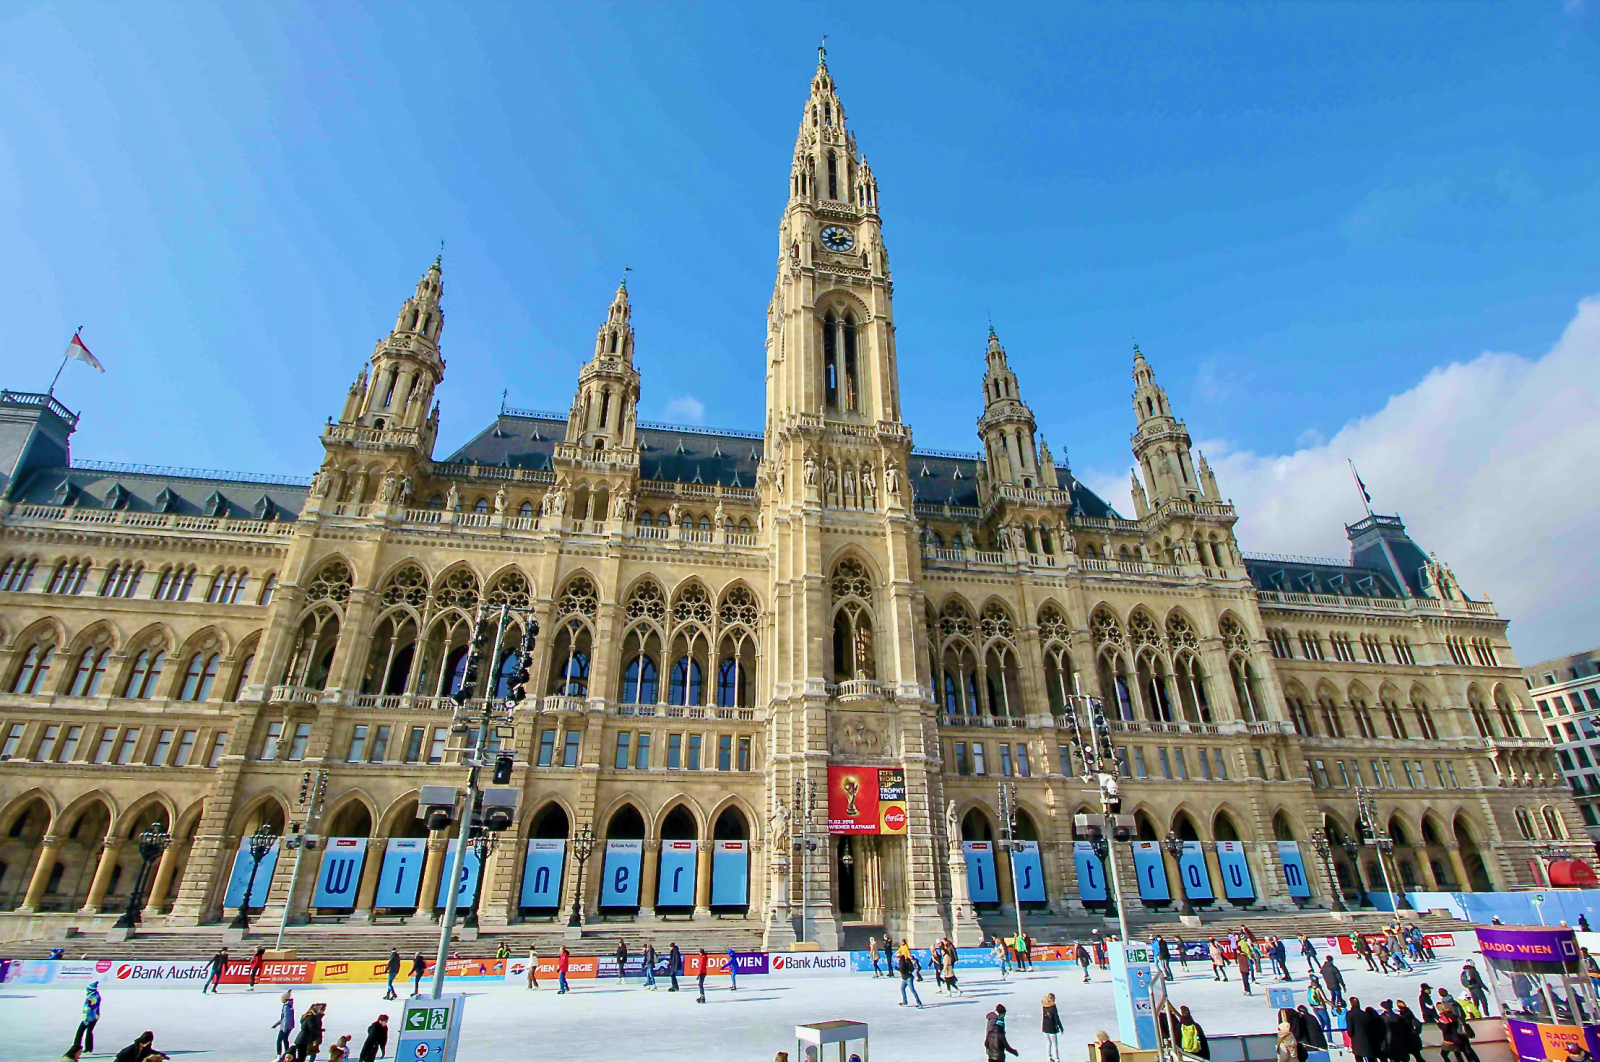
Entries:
{"x":833,"y":176}
{"x":191,"y":678}
{"x":35,"y":666}
{"x":576,"y":671}
{"x":1524,"y":824}
{"x":640,"y":682}
{"x":244,"y":675}
{"x":146,"y":673}
{"x":852,"y":384}
{"x":1553,"y":823}
{"x":502,"y":679}
{"x":830,"y":362}
{"x":687,"y":682}
{"x":266,"y":590}
{"x":91,"y":669}
{"x":730,"y":684}
{"x":526,"y":509}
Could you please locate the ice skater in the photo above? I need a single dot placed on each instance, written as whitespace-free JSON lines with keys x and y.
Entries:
{"x":1472,"y":981}
{"x":533,"y":967}
{"x":1052,"y":1027}
{"x":908,"y":970}
{"x":563,"y":963}
{"x":1333,"y":981}
{"x":219,"y":962}
{"x":377,"y":1042}
{"x":733,"y":971}
{"x":674,"y":965}
{"x":1308,"y":951}
{"x":419,"y":966}
{"x":393,"y":970}
{"x":1083,"y":960}
{"x":257,"y":961}
{"x":622,"y":961}
{"x":995,"y":1044}
{"x":650,"y":966}
{"x":872,"y":950}
{"x":949,"y":961}
{"x":705,"y":960}
{"x":1219,"y":962}
{"x":91,"y":1015}
{"x":285,"y":1023}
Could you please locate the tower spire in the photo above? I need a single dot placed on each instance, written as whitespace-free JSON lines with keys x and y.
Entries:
{"x":1007,"y":426}
{"x":1161,"y":443}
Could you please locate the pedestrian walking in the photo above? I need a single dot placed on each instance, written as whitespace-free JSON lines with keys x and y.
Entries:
{"x":872,"y":950}
{"x":1333,"y":981}
{"x":533,"y":968}
{"x":1472,"y":981}
{"x":376,"y":1045}
{"x":309,"y":1039}
{"x":908,"y":969}
{"x":705,"y":961}
{"x":563,"y":964}
{"x":1083,"y":960}
{"x":622,"y":961}
{"x":285,"y":1023}
{"x":1052,"y":1028}
{"x":419,"y":966}
{"x":1410,"y":1041}
{"x":392,"y":969}
{"x":1219,"y":961}
{"x":1308,"y":951}
{"x":257,"y":961}
{"x":995,"y":1044}
{"x":1457,"y":1037}
{"x":1317,"y":997}
{"x":650,"y":966}
{"x":1164,"y":957}
{"x":1430,"y":1016}
{"x":219,"y":963}
{"x":674,"y":965}
{"x":1366,"y":1037}
{"x":1280,"y":958}
{"x":950,"y":968}
{"x":90,"y":1016}
{"x":733,"y":971}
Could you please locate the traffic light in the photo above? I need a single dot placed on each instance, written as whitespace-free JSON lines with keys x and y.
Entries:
{"x":305,"y":789}
{"x":502,"y":769}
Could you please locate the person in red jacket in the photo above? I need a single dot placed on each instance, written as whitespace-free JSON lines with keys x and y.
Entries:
{"x":562,"y":965}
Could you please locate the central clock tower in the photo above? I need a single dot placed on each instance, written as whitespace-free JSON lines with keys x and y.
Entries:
{"x":848,"y":686}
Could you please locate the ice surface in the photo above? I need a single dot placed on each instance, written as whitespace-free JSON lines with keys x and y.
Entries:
{"x":600,"y":1020}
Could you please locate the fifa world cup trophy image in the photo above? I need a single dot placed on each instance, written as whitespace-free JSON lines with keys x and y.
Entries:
{"x":851,"y":787}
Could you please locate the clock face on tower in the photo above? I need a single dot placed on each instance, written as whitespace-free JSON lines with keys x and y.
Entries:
{"x":836,"y":239}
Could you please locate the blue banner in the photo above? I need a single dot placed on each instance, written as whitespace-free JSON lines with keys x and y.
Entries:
{"x":1151,"y":871}
{"x":340,"y":876}
{"x":1091,"y":872}
{"x":619,"y":880}
{"x":401,"y":876}
{"x":541,"y":874}
{"x":981,"y":886}
{"x":1294,"y":869}
{"x":676,"y":888}
{"x":1236,"y":883}
{"x":241,"y":873}
{"x":1028,"y":872}
{"x":469,"y":878}
{"x":1194,"y":872}
{"x":730,"y":877}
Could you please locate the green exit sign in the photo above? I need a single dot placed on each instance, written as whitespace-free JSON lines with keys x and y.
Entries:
{"x":422,"y":1019}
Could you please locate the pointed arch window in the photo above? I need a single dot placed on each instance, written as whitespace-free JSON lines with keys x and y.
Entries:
{"x":35,"y":666}
{"x":198,"y":677}
{"x":91,"y":669}
{"x":852,"y":384}
{"x":640,"y":683}
{"x":146,"y":673}
{"x":833,"y":175}
{"x":730,"y":684}
{"x":688,"y":682}
{"x":830,"y":362}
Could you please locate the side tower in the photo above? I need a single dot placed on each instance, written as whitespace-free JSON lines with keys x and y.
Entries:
{"x":847,"y":684}
{"x":597,"y":466}
{"x":1025,"y":511}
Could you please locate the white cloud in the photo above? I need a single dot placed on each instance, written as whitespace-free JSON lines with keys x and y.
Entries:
{"x":688,"y":409}
{"x":1493,"y":464}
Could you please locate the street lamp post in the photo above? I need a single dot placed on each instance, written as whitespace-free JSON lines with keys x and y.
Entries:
{"x":313,"y":787}
{"x":1367,"y":806}
{"x":1352,"y":850}
{"x":1324,"y":852}
{"x":805,"y":806}
{"x":1091,"y":742}
{"x":483,"y":846}
{"x":152,"y":842}
{"x":1008,"y":841}
{"x":583,"y":842}
{"x":261,"y":842}
{"x":1174,"y":847}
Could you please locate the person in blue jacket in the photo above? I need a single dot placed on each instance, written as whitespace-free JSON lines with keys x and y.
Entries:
{"x":733,"y":971}
{"x":91,"y":1015}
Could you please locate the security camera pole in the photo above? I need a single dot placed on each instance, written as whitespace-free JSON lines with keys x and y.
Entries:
{"x":1095,"y":752}
{"x":490,"y":712}
{"x":313,"y":789}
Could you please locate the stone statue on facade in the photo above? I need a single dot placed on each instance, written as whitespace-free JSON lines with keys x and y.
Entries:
{"x":811,"y":471}
{"x":869,"y":488}
{"x":675,"y":514}
{"x":952,"y":825}
{"x":891,"y":480}
{"x":500,"y":501}
{"x":452,"y":500}
{"x":389,"y":489}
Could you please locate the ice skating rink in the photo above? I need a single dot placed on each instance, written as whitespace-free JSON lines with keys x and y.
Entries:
{"x":601,"y":1020}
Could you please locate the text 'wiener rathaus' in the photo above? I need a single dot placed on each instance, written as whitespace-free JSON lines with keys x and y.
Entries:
{"x":719,"y":616}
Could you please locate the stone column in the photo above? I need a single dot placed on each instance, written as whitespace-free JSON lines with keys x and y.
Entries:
{"x":1005,"y":887}
{"x":964,"y":927}
{"x":49,"y":850}
{"x":162,"y":880}
{"x":647,"y":878}
{"x":371,"y":871}
{"x":1214,"y":869}
{"x":702,"y":880}
{"x":102,"y":876}
{"x":1458,"y":866}
{"x":432,"y":870}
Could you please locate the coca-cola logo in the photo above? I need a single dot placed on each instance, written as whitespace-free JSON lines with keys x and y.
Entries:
{"x":895,"y":818}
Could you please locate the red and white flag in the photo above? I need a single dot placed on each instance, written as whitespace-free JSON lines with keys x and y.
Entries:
{"x":76,"y":349}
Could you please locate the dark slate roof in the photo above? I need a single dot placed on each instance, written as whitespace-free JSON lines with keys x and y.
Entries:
{"x":1316,"y":575}
{"x":152,"y":488}
{"x":675,"y":453}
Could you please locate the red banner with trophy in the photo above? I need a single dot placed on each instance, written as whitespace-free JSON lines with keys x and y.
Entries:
{"x":867,"y":800}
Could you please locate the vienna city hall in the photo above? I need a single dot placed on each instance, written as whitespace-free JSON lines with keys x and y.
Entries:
{"x":716,"y":619}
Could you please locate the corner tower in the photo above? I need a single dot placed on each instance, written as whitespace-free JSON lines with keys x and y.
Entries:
{"x":1161,"y":443}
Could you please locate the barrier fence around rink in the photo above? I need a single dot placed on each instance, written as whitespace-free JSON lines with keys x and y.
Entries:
{"x":164,"y":973}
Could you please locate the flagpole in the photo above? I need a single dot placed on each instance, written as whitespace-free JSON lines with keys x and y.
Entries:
{"x":57,"y":377}
{"x":1360,"y":487}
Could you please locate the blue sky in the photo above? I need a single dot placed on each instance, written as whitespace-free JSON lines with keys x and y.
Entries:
{"x":1301,"y":210}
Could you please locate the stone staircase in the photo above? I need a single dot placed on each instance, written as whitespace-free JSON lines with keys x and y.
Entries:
{"x":1144,"y":925}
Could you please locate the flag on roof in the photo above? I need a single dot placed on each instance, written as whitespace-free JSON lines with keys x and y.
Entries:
{"x":76,"y":349}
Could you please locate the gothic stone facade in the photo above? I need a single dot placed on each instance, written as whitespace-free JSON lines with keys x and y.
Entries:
{"x":721,"y":615}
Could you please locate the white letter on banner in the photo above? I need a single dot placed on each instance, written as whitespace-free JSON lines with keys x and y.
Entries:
{"x":981,"y":887}
{"x":1294,"y":868}
{"x":619,"y":882}
{"x":1150,"y":870}
{"x":677,"y":874}
{"x":1236,"y":883}
{"x":469,"y":878}
{"x":1029,"y":872}
{"x":541,"y":874}
{"x":340,"y":876}
{"x":1091,"y":873}
{"x":401,"y":876}
{"x":241,"y":871}
{"x":1196,"y":876}
{"x":730,"y":874}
